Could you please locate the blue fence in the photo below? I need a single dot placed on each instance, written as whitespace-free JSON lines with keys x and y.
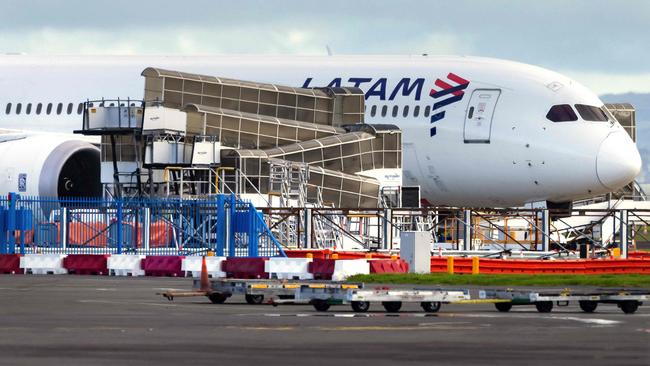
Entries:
{"x":223,"y":224}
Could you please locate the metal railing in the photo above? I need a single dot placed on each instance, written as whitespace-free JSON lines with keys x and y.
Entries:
{"x":223,"y":224}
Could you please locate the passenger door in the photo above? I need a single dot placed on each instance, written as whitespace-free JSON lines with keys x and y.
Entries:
{"x":478,"y":119}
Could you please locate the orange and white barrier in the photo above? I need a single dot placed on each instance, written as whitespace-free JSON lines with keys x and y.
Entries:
{"x":344,"y":268}
{"x":289,"y":268}
{"x":43,"y":264}
{"x":192,"y":266}
{"x":125,"y":265}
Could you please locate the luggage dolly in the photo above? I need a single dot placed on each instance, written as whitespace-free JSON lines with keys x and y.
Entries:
{"x":255,"y":291}
{"x":322,"y":296}
{"x":627,"y":300}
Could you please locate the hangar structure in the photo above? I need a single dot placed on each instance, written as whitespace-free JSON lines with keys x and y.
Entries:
{"x":279,"y":146}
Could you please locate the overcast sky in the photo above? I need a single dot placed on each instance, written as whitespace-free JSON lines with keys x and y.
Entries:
{"x":603,"y":44}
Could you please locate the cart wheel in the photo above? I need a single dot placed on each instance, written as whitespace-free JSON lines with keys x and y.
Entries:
{"x":544,"y":306}
{"x":254,"y":299}
{"x":431,"y":306}
{"x":360,"y":306}
{"x":588,"y":306}
{"x":392,"y":306}
{"x":503,"y":307}
{"x":320,"y":305}
{"x":629,"y":306}
{"x":217,"y":298}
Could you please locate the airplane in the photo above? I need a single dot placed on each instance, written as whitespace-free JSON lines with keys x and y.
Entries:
{"x":477,"y":132}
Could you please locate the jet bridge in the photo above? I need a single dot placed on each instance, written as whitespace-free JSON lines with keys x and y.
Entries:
{"x":328,"y":106}
{"x":197,"y":135}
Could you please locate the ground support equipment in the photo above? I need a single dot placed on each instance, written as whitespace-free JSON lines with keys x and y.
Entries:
{"x":255,"y":291}
{"x":627,"y":300}
{"x":322,"y":296}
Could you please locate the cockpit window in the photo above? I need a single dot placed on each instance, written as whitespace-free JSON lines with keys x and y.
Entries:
{"x":591,"y":113}
{"x":561,"y":113}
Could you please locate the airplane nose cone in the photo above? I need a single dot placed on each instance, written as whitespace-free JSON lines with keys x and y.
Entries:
{"x":618,"y":161}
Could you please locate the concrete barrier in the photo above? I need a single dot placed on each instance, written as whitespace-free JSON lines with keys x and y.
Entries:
{"x":390,"y":266}
{"x":192,"y":266}
{"x":86,"y":264}
{"x":163,"y":265}
{"x":344,"y":268}
{"x":289,"y":268}
{"x":125,"y":265}
{"x":245,"y":267}
{"x":43,"y":263}
{"x":10,"y":264}
{"x":322,"y":269}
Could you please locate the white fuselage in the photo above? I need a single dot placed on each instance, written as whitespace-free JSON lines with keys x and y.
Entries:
{"x":504,"y":152}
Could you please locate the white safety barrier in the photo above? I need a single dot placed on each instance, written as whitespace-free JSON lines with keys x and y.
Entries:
{"x":344,"y":268}
{"x":192,"y":266}
{"x":288,"y":268}
{"x":125,"y":265}
{"x":43,"y":263}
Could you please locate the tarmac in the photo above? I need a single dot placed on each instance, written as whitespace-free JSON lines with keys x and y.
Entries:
{"x":91,"y":320}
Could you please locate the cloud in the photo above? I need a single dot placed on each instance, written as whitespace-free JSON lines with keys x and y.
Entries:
{"x":613,"y":83}
{"x":206,"y":40}
{"x":601,"y":43}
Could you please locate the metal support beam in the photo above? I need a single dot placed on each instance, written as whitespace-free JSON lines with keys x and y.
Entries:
{"x":623,"y":216}
{"x":308,"y":229}
{"x":467,"y":230}
{"x":546,"y":230}
{"x":385,"y":226}
{"x":146,"y":228}
{"x":231,"y":225}
{"x":64,"y":227}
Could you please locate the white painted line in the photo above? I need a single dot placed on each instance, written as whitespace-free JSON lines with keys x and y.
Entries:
{"x":588,"y":320}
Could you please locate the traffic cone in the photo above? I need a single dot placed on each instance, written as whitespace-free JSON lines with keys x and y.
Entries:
{"x":205,"y":282}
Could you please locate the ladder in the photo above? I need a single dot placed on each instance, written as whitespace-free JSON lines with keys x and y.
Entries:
{"x":327,"y":235}
{"x":289,"y":182}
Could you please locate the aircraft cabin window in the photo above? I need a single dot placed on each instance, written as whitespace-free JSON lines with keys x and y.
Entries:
{"x":8,"y":110}
{"x":59,"y":108}
{"x":28,"y":110}
{"x":416,"y":111}
{"x":373,"y":111}
{"x":591,"y":113}
{"x":384,"y":110}
{"x":427,"y":111}
{"x":405,"y":112}
{"x":80,"y":108}
{"x":19,"y":107}
{"x":395,"y":111}
{"x":69,"y":110}
{"x":49,"y":108}
{"x":561,"y":113}
{"x":39,"y":108}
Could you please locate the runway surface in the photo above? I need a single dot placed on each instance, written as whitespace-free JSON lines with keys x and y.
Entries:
{"x":84,"y":320}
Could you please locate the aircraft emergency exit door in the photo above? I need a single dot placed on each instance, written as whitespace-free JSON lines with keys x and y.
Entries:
{"x":478,"y":119}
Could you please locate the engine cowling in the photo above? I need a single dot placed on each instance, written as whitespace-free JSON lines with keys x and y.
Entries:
{"x":50,"y":166}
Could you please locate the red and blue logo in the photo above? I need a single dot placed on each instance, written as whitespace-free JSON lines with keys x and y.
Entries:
{"x":454,"y":93}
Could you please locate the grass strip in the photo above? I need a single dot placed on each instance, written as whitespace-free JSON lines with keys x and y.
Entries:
{"x":607,"y":280}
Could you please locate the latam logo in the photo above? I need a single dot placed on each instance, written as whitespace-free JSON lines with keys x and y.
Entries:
{"x":454,"y":94}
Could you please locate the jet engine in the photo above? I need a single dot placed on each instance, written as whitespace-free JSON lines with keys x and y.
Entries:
{"x":49,"y":166}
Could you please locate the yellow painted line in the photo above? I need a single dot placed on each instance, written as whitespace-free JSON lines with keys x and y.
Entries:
{"x":480,"y":301}
{"x":261,"y":328}
{"x":317,"y":286}
{"x":349,"y":286}
{"x":259,"y":285}
{"x":291,"y":286}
